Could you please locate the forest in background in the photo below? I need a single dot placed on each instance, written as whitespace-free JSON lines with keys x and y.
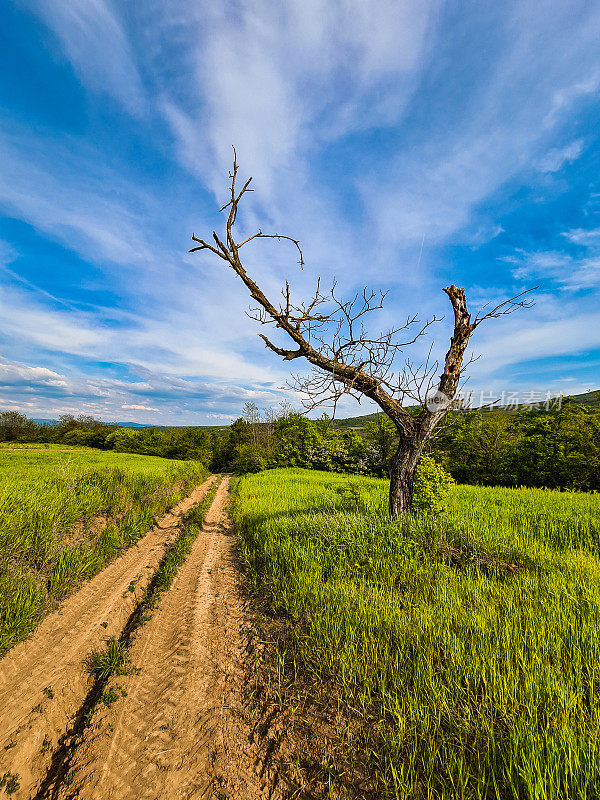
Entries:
{"x":557,"y":447}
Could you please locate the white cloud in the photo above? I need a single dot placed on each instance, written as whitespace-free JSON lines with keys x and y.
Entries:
{"x":27,"y":320}
{"x":101,"y":217}
{"x":565,"y":97}
{"x":277,"y":84}
{"x":96,"y":44}
{"x":571,"y":272}
{"x":13,"y":373}
{"x":583,"y":236}
{"x":527,"y":340}
{"x":135,"y":407}
{"x":556,"y":158}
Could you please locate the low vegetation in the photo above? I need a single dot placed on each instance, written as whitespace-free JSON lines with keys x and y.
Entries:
{"x":555,"y":447}
{"x":64,"y":515}
{"x":104,"y":662}
{"x":469,"y":641}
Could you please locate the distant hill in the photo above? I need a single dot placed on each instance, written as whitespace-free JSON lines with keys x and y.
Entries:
{"x":136,"y":425}
{"x":591,"y":399}
{"x":354,"y":423}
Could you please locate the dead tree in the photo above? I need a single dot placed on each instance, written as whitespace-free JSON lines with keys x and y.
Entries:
{"x":329,"y":333}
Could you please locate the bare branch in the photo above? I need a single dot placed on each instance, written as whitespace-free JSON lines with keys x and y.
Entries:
{"x":330,"y":333}
{"x":279,"y":236}
{"x":506,"y":307}
{"x":288,"y":355}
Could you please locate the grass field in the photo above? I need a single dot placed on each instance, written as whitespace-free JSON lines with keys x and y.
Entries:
{"x":63,"y":515}
{"x":470,"y":643}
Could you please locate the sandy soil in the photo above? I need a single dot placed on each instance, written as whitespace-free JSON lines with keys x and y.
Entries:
{"x":43,"y":680}
{"x":178,"y":729}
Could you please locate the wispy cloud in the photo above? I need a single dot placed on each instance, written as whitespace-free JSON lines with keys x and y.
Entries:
{"x":572,"y":268}
{"x":278,"y":85}
{"x":556,"y":158}
{"x":387,"y":138}
{"x":101,"y":217}
{"x":583,"y":236}
{"x":96,"y":43}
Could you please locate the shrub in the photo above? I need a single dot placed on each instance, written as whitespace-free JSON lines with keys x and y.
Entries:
{"x":431,"y":487}
{"x":249,"y":458}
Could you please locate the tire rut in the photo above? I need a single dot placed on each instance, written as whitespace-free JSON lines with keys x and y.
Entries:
{"x":173,"y":731}
{"x":43,"y":680}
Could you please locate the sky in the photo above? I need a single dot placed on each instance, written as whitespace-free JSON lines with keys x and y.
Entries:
{"x":407,"y":144}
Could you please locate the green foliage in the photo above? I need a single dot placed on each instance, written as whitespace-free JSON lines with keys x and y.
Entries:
{"x":382,"y":435}
{"x":249,"y":457}
{"x":63,"y":515}
{"x":559,"y":448}
{"x":432,"y":486}
{"x":472,"y":639}
{"x":105,"y":662}
{"x":556,"y":448}
{"x":109,"y":697}
{"x":184,"y":443}
{"x":15,"y":426}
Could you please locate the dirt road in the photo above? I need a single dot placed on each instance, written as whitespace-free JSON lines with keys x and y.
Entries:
{"x":178,"y":732}
{"x":176,"y":726}
{"x":43,"y":681}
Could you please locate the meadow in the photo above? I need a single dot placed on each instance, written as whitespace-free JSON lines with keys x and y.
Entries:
{"x":469,"y":642}
{"x":65,"y":513}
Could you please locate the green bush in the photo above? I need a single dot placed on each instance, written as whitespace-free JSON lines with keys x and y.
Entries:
{"x":249,"y":458}
{"x":431,"y":487}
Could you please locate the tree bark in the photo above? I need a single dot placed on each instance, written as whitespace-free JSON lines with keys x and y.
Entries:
{"x":402,"y":473}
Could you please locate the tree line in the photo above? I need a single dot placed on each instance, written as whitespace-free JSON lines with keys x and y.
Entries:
{"x":556,"y":447}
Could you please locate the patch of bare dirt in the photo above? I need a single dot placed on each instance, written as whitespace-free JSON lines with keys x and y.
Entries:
{"x":309,"y":738}
{"x":43,"y":681}
{"x":49,"y":450}
{"x":84,"y":531}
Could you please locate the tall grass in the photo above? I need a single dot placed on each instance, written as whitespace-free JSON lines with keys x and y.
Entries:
{"x":64,"y":515}
{"x":471,"y":641}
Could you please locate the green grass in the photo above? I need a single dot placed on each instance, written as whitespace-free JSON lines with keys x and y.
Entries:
{"x":470,"y":642}
{"x":64,"y":515}
{"x":102,"y":663}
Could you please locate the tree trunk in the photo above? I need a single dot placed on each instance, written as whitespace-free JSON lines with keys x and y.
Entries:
{"x":402,"y":471}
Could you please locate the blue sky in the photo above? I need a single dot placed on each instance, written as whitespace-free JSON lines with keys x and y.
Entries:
{"x":407,"y":144}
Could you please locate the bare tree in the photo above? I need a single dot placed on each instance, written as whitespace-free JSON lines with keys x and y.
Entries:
{"x":251,"y":416}
{"x":330,"y":334}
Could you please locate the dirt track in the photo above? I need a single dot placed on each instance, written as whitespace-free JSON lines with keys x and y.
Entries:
{"x":178,"y":728}
{"x":178,"y":732}
{"x":43,"y":681}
